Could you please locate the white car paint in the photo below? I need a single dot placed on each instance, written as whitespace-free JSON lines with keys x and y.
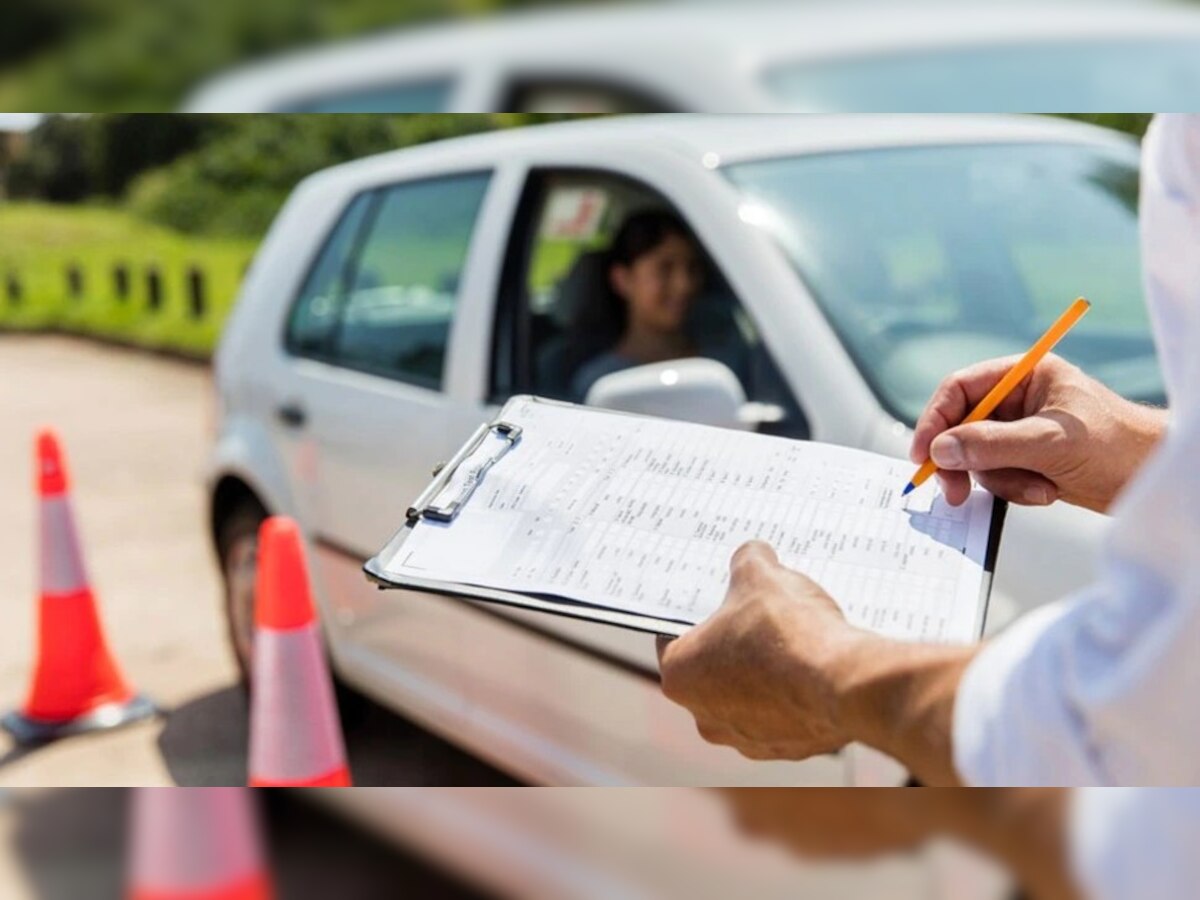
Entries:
{"x":575,"y":844}
{"x":553,"y":700}
{"x":697,"y":57}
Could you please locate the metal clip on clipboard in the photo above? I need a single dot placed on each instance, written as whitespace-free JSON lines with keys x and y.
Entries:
{"x":424,"y":507}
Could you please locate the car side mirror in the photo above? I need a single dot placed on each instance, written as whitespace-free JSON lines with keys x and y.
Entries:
{"x":694,"y":390}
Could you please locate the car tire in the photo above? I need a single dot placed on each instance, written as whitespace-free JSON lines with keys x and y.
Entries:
{"x":237,"y":549}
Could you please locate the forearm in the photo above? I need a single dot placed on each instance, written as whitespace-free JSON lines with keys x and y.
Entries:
{"x":1026,"y":829}
{"x":899,"y":698}
{"x":1143,"y":427}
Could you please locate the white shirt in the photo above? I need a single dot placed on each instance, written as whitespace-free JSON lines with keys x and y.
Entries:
{"x":1103,"y":688}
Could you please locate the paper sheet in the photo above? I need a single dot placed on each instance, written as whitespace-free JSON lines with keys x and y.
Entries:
{"x":642,"y":515}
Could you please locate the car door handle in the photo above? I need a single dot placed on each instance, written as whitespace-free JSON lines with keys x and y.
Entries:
{"x":292,"y":415}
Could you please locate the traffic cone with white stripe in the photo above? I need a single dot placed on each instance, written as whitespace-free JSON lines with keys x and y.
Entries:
{"x":295,"y":734}
{"x":77,"y":684}
{"x":195,"y":844}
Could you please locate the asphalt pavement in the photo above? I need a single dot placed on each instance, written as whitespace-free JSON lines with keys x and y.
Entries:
{"x":71,"y":844}
{"x":136,"y":429}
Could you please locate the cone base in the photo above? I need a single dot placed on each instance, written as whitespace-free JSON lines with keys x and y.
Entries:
{"x":26,"y":730}
{"x":337,"y":778}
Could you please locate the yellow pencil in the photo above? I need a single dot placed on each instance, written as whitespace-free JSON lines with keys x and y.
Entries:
{"x":1012,"y":378}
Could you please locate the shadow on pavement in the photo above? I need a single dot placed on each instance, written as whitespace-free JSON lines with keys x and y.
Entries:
{"x":14,"y":754}
{"x":70,"y":844}
{"x":204,"y":743}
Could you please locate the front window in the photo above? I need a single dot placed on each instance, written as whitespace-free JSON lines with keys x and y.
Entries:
{"x":1093,"y":76}
{"x":928,"y":259}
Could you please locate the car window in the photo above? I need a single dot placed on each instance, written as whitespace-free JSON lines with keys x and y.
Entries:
{"x":558,"y":96}
{"x":315,"y":314}
{"x":1084,"y":75}
{"x":413,"y":97}
{"x":557,"y":271}
{"x":925,"y":259}
{"x":400,"y":298}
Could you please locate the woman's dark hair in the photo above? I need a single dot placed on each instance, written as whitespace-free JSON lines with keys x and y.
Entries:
{"x":599,"y":323}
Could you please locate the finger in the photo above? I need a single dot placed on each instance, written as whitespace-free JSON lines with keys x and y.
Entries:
{"x":661,"y":644}
{"x":1031,"y":443}
{"x":956,"y":486}
{"x":750,"y":556}
{"x":956,"y":396}
{"x":1020,"y":486}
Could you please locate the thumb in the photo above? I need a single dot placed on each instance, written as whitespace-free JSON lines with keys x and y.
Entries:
{"x":979,"y":446}
{"x":750,"y":558}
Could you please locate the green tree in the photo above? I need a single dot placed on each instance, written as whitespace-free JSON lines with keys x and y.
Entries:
{"x":236,"y":182}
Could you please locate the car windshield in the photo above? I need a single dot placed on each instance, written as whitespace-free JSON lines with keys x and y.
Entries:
{"x":1052,"y":76}
{"x":926,"y":259}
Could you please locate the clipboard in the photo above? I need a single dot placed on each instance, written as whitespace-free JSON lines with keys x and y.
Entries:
{"x":426,"y":506}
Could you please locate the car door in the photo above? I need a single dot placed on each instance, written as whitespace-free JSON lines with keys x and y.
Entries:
{"x":368,"y":339}
{"x":564,"y":222}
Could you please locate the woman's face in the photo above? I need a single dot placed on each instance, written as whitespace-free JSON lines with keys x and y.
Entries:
{"x":660,"y":285}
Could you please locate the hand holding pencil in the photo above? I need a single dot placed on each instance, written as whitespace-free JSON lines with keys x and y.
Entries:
{"x":1012,"y":378}
{"x":1050,"y":433}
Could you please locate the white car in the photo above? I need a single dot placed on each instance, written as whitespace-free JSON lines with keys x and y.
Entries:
{"x":397,"y":301}
{"x":747,"y":57}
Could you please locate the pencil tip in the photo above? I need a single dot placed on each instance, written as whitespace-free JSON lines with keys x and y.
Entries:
{"x":908,"y":489}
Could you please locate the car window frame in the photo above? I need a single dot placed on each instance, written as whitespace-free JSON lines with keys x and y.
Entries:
{"x":327,"y":354}
{"x":511,"y":300}
{"x":511,"y":303}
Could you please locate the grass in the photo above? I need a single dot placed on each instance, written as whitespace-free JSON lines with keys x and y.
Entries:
{"x":40,"y":241}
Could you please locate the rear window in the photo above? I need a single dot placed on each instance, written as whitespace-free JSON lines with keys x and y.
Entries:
{"x":381,"y":296}
{"x":411,"y":97}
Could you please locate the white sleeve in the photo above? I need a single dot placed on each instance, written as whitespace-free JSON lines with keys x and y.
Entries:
{"x":1101,"y":688}
{"x":1134,"y":843}
{"x":1096,"y":690}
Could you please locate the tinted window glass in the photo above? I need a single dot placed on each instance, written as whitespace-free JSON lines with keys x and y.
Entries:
{"x":416,"y":97}
{"x":314,"y":317}
{"x":564,"y":274}
{"x":400,"y":301}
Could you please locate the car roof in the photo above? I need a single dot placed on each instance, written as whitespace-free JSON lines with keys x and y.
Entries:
{"x":717,"y":140}
{"x":671,"y":45}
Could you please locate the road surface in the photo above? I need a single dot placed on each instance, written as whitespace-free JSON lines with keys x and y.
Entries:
{"x":71,"y":844}
{"x":136,"y":430}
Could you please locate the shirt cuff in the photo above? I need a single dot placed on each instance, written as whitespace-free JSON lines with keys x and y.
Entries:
{"x":1012,"y":723}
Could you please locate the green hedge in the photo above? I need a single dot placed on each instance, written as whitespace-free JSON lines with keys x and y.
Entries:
{"x":39,"y":243}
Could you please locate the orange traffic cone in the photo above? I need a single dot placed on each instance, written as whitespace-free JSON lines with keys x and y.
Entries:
{"x":77,"y":685}
{"x":195,"y":844}
{"x":295,"y":735}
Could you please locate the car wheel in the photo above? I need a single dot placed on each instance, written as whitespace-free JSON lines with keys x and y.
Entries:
{"x":237,"y":545}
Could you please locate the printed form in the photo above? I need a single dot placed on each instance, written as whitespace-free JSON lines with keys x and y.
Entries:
{"x":642,"y":515}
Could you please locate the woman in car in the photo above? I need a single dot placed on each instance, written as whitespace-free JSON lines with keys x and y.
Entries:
{"x":654,"y":272}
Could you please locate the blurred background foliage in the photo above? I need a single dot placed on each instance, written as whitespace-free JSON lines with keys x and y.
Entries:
{"x":212,"y":174}
{"x":139,"y":227}
{"x":136,"y":55}
{"x":109,"y":218}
